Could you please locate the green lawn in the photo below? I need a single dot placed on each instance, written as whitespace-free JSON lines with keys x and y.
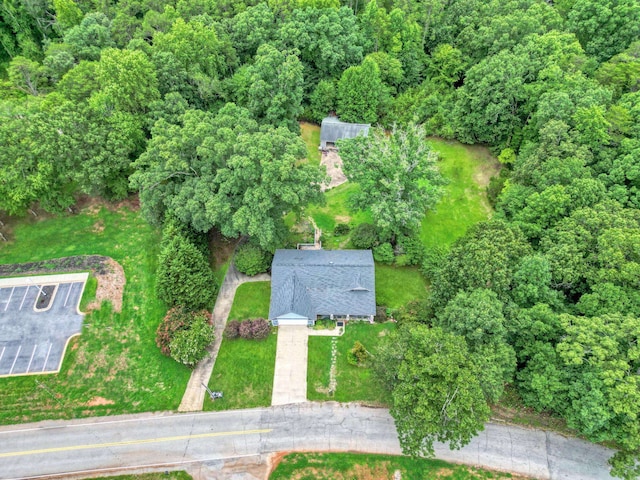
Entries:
{"x":244,"y":368}
{"x":251,"y":301}
{"x":311,"y":136}
{"x":89,"y":292}
{"x":337,"y":210}
{"x":114,"y":366}
{"x":467,"y":168}
{"x":353,"y":383}
{"x":397,"y":286}
{"x":348,"y":466}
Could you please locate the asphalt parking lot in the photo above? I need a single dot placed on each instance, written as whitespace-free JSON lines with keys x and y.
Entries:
{"x":38,"y":316}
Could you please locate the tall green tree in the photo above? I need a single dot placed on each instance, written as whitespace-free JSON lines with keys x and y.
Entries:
{"x":89,"y":37}
{"x":486,"y":257}
{"x":225,"y":171}
{"x":605,"y":27}
{"x":184,"y":276}
{"x":398,"y":177}
{"x":329,"y":41}
{"x":436,"y":393}
{"x":67,"y":14}
{"x":477,"y":316}
{"x":359,"y":92}
{"x":127,"y":81}
{"x":276,"y":89}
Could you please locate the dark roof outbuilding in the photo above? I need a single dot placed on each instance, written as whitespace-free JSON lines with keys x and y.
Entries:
{"x":332,"y":130}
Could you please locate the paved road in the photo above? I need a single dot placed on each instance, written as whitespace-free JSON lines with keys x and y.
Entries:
{"x":192,"y":440}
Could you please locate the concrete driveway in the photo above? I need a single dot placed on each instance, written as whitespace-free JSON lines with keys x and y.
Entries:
{"x":290,"y":377}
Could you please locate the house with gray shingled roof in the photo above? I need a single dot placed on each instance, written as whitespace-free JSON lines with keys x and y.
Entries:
{"x":307,"y":285}
{"x":332,"y":130}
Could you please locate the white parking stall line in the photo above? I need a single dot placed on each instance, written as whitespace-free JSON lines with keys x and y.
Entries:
{"x":47,"y":357}
{"x":2,"y":353}
{"x":68,"y":293}
{"x":23,"y":298}
{"x":15,"y":359}
{"x":31,"y":359}
{"x":9,"y":300}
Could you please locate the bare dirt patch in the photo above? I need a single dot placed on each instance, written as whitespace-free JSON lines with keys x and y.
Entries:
{"x":333,"y":162}
{"x":132,"y":203}
{"x":368,"y":472}
{"x":97,"y":401}
{"x":92,"y":205}
{"x":119,"y":365}
{"x":342,"y":218}
{"x":275,"y":459}
{"x":444,"y":473}
{"x":111,"y":281}
{"x":488,"y":166}
{"x":98,"y":227}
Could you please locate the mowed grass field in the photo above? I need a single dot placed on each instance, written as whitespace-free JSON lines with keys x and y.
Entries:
{"x":244,"y":368}
{"x":311,"y":135}
{"x":397,"y":286}
{"x":349,"y":466}
{"x":464,"y":203}
{"x":354,"y":383}
{"x":114,"y":366}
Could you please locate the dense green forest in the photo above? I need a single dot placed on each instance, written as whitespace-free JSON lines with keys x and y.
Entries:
{"x":194,"y":105}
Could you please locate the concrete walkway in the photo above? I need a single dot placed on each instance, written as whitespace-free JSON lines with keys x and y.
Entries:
{"x":290,"y":376}
{"x":193,"y":398}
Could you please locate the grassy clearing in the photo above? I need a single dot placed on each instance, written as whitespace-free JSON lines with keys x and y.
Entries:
{"x":348,"y":466}
{"x":468,"y":170}
{"x":114,"y":366}
{"x":397,"y":286}
{"x":353,"y":383}
{"x":311,"y":136}
{"x":337,"y":210}
{"x":244,"y":368}
{"x":251,"y":301}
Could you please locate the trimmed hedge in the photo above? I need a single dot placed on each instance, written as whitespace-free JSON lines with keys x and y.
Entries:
{"x":252,"y":329}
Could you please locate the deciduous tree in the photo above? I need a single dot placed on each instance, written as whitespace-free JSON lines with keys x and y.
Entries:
{"x":398,"y":177}
{"x":225,"y":171}
{"x":436,"y":396}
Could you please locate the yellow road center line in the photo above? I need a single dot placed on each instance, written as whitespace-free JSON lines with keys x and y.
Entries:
{"x":132,"y":442}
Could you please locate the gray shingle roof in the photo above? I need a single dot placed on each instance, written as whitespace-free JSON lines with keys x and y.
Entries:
{"x":332,"y":129}
{"x":322,"y":282}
